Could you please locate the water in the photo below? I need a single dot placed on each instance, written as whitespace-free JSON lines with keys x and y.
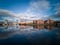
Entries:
{"x":29,"y":35}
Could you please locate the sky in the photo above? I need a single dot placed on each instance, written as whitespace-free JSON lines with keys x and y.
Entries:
{"x":28,"y":10}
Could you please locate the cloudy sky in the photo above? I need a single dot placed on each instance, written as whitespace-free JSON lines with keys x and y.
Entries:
{"x":27,"y":10}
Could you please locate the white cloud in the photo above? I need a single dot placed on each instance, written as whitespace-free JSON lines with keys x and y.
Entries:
{"x":7,"y":15}
{"x":57,"y":8}
{"x":56,"y":15}
{"x":40,"y":7}
{"x":7,"y":12}
{"x":36,"y":10}
{"x":28,"y":17}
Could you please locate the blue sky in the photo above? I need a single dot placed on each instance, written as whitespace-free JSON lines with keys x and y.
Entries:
{"x":32,"y":9}
{"x":14,"y":5}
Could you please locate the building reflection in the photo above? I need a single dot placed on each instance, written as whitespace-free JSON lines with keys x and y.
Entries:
{"x":23,"y":26}
{"x":27,"y":27}
{"x":49,"y":27}
{"x":43,"y":27}
{"x":9,"y":27}
{"x":38,"y":27}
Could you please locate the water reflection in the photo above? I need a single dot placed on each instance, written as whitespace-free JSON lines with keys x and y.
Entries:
{"x":24,"y":27}
{"x":43,"y":27}
{"x":30,"y":34}
{"x":38,"y":27}
{"x":9,"y":31}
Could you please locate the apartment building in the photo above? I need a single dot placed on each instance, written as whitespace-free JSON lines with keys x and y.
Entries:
{"x":39,"y":22}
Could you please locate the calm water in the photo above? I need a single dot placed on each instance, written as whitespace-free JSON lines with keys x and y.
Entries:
{"x":29,"y":35}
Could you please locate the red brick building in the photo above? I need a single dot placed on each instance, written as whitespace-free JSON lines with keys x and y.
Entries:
{"x":49,"y":22}
{"x":34,"y":22}
{"x":40,"y":22}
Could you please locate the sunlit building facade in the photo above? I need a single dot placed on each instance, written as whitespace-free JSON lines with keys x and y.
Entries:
{"x":39,"y":22}
{"x":49,"y":22}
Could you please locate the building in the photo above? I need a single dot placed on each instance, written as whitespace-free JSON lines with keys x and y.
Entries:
{"x":34,"y":22}
{"x":57,"y":23}
{"x":22,"y":23}
{"x":49,"y":22}
{"x":39,"y":22}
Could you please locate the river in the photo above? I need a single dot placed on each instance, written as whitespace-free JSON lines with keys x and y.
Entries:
{"x":29,"y":35}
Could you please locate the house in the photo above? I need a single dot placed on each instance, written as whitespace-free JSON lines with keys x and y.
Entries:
{"x":39,"y":22}
{"x":34,"y":22}
{"x":49,"y":22}
{"x":22,"y":23}
{"x":57,"y":23}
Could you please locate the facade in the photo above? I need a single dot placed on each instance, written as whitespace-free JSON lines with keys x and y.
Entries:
{"x":57,"y":23}
{"x":49,"y":22}
{"x":34,"y":22}
{"x":39,"y":22}
{"x":22,"y":23}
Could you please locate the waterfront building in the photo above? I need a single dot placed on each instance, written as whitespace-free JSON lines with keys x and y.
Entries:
{"x":34,"y":22}
{"x":22,"y":23}
{"x":57,"y":23}
{"x":49,"y":22}
{"x":38,"y":22}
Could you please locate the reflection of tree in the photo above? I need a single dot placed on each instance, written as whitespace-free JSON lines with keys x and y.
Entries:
{"x":6,"y":26}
